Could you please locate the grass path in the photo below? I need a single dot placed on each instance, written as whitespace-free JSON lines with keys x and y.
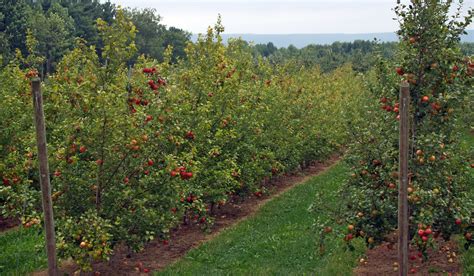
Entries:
{"x":21,"y":251}
{"x":278,"y":240}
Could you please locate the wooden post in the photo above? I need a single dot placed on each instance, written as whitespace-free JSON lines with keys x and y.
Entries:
{"x":44,"y":176}
{"x":403,"y":180}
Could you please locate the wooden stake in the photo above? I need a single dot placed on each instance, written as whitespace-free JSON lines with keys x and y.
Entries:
{"x":403,"y":180}
{"x":44,"y":176}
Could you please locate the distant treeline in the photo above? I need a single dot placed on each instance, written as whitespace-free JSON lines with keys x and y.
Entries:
{"x":360,"y":53}
{"x":56,"y":24}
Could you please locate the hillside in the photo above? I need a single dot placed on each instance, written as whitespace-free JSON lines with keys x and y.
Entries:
{"x":302,"y":40}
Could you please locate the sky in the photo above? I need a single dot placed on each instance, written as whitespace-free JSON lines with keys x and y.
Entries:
{"x":277,"y":17}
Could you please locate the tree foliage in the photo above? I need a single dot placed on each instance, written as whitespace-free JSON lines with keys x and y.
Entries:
{"x":56,"y":24}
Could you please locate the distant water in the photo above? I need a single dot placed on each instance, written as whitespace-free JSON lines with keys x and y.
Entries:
{"x":302,"y":40}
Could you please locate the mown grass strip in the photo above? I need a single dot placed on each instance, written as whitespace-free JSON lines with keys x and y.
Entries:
{"x":21,"y":251}
{"x":279,"y":239}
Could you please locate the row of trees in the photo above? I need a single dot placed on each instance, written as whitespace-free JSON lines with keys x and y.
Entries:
{"x":56,"y":25}
{"x":430,"y":59}
{"x":135,"y":150}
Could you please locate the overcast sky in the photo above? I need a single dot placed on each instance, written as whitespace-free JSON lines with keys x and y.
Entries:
{"x":277,"y":17}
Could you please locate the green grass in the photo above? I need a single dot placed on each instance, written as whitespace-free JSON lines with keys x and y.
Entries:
{"x":21,"y":251}
{"x":468,"y":256}
{"x":278,"y":240}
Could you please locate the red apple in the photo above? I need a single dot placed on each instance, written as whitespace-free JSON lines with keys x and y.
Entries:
{"x":400,"y":71}
{"x":190,"y":135}
{"x":5,"y":181}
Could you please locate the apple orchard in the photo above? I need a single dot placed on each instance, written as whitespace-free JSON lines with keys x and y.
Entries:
{"x":135,"y":150}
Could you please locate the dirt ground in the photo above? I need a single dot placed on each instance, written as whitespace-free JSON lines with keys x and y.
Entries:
{"x":8,"y":223}
{"x":443,"y":260}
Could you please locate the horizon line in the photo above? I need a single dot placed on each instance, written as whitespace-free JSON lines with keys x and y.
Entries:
{"x":387,"y":32}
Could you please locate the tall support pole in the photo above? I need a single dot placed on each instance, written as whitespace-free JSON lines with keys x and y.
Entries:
{"x":403,"y":180}
{"x":44,"y":176}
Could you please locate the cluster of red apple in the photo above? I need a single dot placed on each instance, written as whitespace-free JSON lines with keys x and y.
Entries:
{"x":150,"y":71}
{"x":424,"y":234}
{"x":137,"y":101}
{"x":181,"y":171}
{"x":31,"y":74}
{"x":155,"y":85}
{"x":151,"y":83}
{"x":140,"y":268}
{"x":149,"y":163}
{"x":190,"y":198}
{"x":140,"y":101}
{"x":387,"y":107}
{"x":413,"y":257}
{"x":73,"y":148}
{"x":349,"y":236}
{"x":7,"y":182}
